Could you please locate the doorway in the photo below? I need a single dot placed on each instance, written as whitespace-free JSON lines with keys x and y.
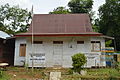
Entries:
{"x":57,"y":53}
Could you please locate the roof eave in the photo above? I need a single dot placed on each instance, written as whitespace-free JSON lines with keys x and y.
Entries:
{"x":108,"y":37}
{"x":29,"y":35}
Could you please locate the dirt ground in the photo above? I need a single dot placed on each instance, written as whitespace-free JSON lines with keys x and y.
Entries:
{"x":21,"y":73}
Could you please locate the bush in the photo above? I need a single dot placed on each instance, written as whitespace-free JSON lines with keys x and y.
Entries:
{"x":70,"y":71}
{"x":118,"y":66}
{"x":78,"y":61}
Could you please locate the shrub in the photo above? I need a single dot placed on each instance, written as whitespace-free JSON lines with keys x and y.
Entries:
{"x":70,"y":71}
{"x":78,"y":61}
{"x":118,"y":66}
{"x":1,"y":73}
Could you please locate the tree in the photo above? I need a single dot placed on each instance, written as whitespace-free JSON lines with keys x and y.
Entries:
{"x":80,"y":6}
{"x":14,"y":19}
{"x":108,"y":43}
{"x":95,"y":25}
{"x":110,"y":20}
{"x":78,"y":61}
{"x":60,"y":10}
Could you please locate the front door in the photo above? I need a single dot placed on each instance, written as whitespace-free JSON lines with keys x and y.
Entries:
{"x":57,"y":53}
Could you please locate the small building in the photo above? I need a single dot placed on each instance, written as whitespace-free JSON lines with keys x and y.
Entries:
{"x":53,"y":38}
{"x":6,"y":48}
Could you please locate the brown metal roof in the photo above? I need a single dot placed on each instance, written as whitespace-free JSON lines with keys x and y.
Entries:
{"x":60,"y":24}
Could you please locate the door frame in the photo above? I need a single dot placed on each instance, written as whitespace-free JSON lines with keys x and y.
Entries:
{"x":61,"y":44}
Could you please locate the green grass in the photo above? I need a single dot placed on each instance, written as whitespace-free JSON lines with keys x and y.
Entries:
{"x":92,"y":74}
{"x":21,"y":73}
{"x":4,"y":76}
{"x":95,"y":74}
{"x":103,"y":72}
{"x":21,"y":79}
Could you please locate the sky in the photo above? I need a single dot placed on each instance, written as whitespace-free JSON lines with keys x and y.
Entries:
{"x":45,"y":6}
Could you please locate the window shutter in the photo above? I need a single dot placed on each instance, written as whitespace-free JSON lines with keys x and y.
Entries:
{"x":22,"y":50}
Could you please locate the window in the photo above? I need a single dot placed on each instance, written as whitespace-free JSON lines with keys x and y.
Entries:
{"x":95,"y":46}
{"x":37,"y":42}
{"x":22,"y":50}
{"x":80,"y":42}
{"x":57,"y":42}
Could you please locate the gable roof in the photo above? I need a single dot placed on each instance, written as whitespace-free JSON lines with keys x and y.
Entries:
{"x":60,"y":24}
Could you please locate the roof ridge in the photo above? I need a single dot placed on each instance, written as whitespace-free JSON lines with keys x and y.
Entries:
{"x":64,"y":14}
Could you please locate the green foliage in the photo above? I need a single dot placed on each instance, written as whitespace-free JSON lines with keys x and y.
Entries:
{"x":14,"y":19}
{"x":110,"y":20}
{"x":95,"y":25}
{"x":95,"y":28}
{"x":60,"y":10}
{"x":3,"y":75}
{"x":22,"y":79}
{"x":95,"y":74}
{"x":80,"y":6}
{"x":108,"y":43}
{"x":118,"y":66}
{"x":78,"y":61}
{"x":70,"y":71}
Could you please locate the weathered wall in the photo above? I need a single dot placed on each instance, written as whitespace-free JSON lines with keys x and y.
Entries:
{"x":67,"y":51}
{"x":18,"y":61}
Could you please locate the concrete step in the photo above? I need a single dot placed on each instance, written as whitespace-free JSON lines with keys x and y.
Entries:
{"x":55,"y":75}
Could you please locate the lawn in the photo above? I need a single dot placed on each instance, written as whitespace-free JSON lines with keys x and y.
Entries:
{"x":21,"y":73}
{"x":95,"y":74}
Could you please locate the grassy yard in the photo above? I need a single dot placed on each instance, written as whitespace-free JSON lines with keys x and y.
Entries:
{"x":95,"y":74}
{"x":21,"y":73}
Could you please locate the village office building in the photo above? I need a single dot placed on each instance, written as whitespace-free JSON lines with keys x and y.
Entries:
{"x":57,"y":37}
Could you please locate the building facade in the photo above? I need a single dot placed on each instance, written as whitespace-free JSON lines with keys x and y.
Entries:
{"x":53,"y":38}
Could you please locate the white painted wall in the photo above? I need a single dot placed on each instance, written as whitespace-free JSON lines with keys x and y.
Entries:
{"x":17,"y":59}
{"x":67,"y":52}
{"x":102,"y":40}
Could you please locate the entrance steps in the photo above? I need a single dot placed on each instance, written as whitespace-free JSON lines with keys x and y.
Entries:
{"x":55,"y":76}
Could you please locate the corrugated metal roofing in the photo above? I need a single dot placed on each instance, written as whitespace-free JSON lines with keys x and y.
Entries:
{"x":60,"y":24}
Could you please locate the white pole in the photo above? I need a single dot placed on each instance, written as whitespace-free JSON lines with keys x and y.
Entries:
{"x":32,"y":42}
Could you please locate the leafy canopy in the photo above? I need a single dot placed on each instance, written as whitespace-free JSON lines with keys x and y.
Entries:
{"x":14,"y":19}
{"x":78,"y":61}
{"x":60,"y":10}
{"x":80,"y":6}
{"x":110,"y":20}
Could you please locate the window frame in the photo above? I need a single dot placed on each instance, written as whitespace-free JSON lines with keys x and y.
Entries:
{"x":22,"y":49}
{"x":57,"y":42}
{"x":93,"y":46}
{"x":80,"y":42}
{"x":37,"y":42}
